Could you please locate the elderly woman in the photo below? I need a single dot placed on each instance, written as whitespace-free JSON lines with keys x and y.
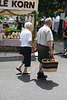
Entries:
{"x":26,"y":44}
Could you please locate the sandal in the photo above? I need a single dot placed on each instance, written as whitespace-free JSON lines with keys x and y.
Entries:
{"x":19,"y":70}
{"x":26,"y":72}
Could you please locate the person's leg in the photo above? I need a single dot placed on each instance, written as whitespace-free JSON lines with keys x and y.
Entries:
{"x":43,"y":52}
{"x":41,"y":73}
{"x":19,"y":67}
{"x":64,"y":44}
{"x":40,"y":67}
{"x":27,"y":60}
{"x":65,"y":51}
{"x":26,"y":71}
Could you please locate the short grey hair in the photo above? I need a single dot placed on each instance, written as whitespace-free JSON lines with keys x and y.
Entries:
{"x":48,"y":20}
{"x":28,"y":24}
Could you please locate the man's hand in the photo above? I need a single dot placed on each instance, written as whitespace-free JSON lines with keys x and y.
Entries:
{"x":35,"y":49}
{"x":51,"y":53}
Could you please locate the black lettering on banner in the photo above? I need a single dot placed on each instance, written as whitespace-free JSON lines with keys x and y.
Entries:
{"x":0,"y":3}
{"x":20,"y":4}
{"x":32,"y":5}
{"x":14,"y":3}
{"x":6,"y":3}
{"x":26,"y":4}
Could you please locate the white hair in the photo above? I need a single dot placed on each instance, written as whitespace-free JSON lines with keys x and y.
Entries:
{"x":28,"y":24}
{"x":48,"y":20}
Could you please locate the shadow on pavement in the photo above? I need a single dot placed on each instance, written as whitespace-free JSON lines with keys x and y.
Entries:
{"x":24,"y":77}
{"x":46,"y":84}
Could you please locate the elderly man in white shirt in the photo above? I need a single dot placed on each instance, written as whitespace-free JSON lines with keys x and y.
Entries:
{"x":44,"y":44}
{"x":26,"y":44}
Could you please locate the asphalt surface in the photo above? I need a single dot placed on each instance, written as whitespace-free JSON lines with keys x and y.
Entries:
{"x":17,"y":86}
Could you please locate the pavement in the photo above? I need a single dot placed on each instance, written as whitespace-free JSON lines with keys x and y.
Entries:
{"x":17,"y":86}
{"x":58,"y":47}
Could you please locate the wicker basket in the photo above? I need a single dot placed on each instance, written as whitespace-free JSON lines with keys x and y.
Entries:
{"x":49,"y":65}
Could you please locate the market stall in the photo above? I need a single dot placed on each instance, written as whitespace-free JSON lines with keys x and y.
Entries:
{"x":26,"y":8}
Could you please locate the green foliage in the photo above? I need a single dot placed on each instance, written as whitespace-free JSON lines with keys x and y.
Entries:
{"x":49,"y":7}
{"x":57,"y":37}
{"x":11,"y":29}
{"x":6,"y":17}
{"x":1,"y":17}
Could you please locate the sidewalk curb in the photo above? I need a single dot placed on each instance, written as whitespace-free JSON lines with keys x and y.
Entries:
{"x":20,"y":56}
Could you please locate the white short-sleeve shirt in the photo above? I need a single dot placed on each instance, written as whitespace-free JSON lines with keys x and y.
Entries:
{"x":25,"y":37}
{"x":44,"y":34}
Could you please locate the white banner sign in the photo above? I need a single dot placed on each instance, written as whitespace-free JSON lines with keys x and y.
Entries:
{"x":19,"y":5}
